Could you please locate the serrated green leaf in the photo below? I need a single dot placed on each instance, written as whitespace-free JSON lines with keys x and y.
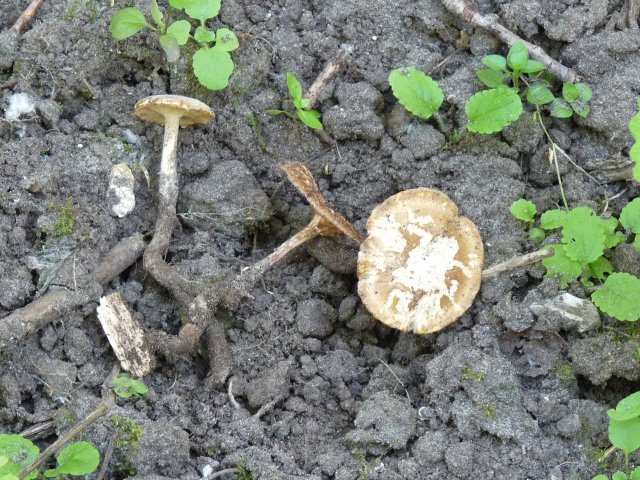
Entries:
{"x":630,"y":216}
{"x":416,"y":92}
{"x":518,"y":56}
{"x":561,"y":266}
{"x":524,"y":210}
{"x":170,"y":46}
{"x":552,"y":219}
{"x":627,"y":408}
{"x":311,"y":118}
{"x":619,"y":297}
{"x":20,"y":452}
{"x":539,"y":94}
{"x":612,"y":238}
{"x":202,"y":35}
{"x":492,"y":110}
{"x":212,"y":67}
{"x":125,"y":387}
{"x":79,"y":458}
{"x":599,"y":269}
{"x":226,"y":39}
{"x":491,"y":78}
{"x":586,"y":93}
{"x":619,"y":476}
{"x":537,"y":235}
{"x":560,"y":108}
{"x":583,"y":235}
{"x":127,"y":22}
{"x":180,"y":31}
{"x":156,"y":14}
{"x":570,"y":92}
{"x":625,"y":434}
{"x":495,"y":62}
{"x":295,"y":89}
{"x":199,"y":9}
{"x":533,"y":66}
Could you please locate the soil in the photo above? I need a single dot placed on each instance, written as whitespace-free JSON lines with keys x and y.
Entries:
{"x":318,"y":388}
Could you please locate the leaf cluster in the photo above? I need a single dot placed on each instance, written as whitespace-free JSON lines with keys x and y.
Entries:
{"x":16,"y":452}
{"x":585,"y":242}
{"x":126,"y":387}
{"x":212,"y":63}
{"x":311,"y":118}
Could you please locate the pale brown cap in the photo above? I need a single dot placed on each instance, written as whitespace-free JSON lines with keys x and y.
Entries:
{"x":421,"y":265}
{"x":156,"y":107}
{"x":333,"y":224}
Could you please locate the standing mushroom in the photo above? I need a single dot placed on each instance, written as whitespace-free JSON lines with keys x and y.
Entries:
{"x":420,"y":267}
{"x":172,"y":111}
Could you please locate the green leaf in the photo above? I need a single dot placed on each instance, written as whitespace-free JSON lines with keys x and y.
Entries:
{"x":170,"y":46}
{"x":416,"y":92}
{"x":180,"y":31}
{"x":630,"y":216}
{"x":524,"y":210}
{"x":20,"y":452}
{"x":127,"y":22}
{"x":599,"y":269}
{"x":627,"y":408}
{"x":600,"y":477}
{"x":619,"y":476}
{"x":156,"y":14}
{"x":492,"y":110}
{"x":636,"y":243}
{"x":585,"y":91}
{"x":213,"y":67}
{"x":79,"y":458}
{"x":625,"y":434}
{"x":583,"y":235}
{"x":533,"y":66}
{"x":495,"y":62}
{"x":539,"y":94}
{"x":570,"y":92}
{"x":612,"y":238}
{"x":561,"y":266}
{"x":518,"y":56}
{"x":199,"y":9}
{"x":635,"y":474}
{"x":552,"y":219}
{"x":226,"y":40}
{"x":202,"y":35}
{"x":537,"y":235}
{"x":275,"y":112}
{"x":619,"y":297}
{"x":491,"y":78}
{"x":295,"y":89}
{"x":311,"y":118}
{"x":581,"y":108}
{"x":125,"y":387}
{"x":560,"y":108}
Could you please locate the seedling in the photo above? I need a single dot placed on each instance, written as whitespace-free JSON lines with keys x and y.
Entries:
{"x":16,"y":452}
{"x":634,"y":153}
{"x":126,"y":387}
{"x":624,"y":434}
{"x":525,"y":211}
{"x":311,"y":118}
{"x":212,"y":63}
{"x":586,"y":240}
{"x":492,"y":110}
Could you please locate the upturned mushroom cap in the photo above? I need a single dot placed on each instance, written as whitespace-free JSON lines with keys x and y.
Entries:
{"x":421,"y":265}
{"x":332,"y":224}
{"x":156,"y":108}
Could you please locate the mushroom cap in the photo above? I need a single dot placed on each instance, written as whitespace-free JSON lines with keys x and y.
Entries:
{"x":333,"y":224}
{"x":421,"y":265}
{"x":156,"y":107}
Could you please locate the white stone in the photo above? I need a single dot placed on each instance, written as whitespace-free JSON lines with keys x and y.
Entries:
{"x":120,"y":195}
{"x":19,"y":104}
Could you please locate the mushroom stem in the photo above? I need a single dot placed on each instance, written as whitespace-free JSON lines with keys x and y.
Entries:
{"x":516,"y":262}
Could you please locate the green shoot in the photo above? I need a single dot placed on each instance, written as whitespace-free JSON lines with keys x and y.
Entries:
{"x":79,"y":458}
{"x":212,"y":64}
{"x":634,"y":153}
{"x":525,"y":211}
{"x":311,"y":118}
{"x":575,"y":99}
{"x":126,"y":387}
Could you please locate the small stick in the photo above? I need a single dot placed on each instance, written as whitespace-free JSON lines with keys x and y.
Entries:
{"x":106,"y":458}
{"x":27,"y":16}
{"x":330,"y":70}
{"x":460,"y":8}
{"x":221,"y":473}
{"x":516,"y":262}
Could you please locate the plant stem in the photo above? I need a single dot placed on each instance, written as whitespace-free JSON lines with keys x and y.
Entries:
{"x":553,"y":157}
{"x":444,"y":128}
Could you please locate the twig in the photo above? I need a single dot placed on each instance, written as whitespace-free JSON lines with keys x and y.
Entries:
{"x":106,"y":458}
{"x":490,"y":23}
{"x":396,"y":377}
{"x":330,"y":70}
{"x":632,"y":14}
{"x":27,"y":16}
{"x":232,"y":399}
{"x":267,"y":407}
{"x":516,"y":262}
{"x":221,"y":473}
{"x":107,"y":403}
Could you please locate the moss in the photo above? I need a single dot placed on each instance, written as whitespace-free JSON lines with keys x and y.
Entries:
{"x":243,"y":471}
{"x":63,"y":226}
{"x":130,"y":433}
{"x":489,"y":409}
{"x":469,"y":373}
{"x":564,"y":370}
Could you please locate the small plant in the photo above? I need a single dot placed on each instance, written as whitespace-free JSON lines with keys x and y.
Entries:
{"x":311,"y":118}
{"x":525,"y":211}
{"x":212,"y":63}
{"x":492,"y":110}
{"x":582,"y":252}
{"x":126,"y":387}
{"x":16,"y":452}
{"x":624,"y":434}
{"x":634,"y":153}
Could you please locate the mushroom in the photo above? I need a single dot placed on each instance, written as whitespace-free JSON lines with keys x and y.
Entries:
{"x":172,"y":111}
{"x":325,"y":221}
{"x":420,"y":267}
